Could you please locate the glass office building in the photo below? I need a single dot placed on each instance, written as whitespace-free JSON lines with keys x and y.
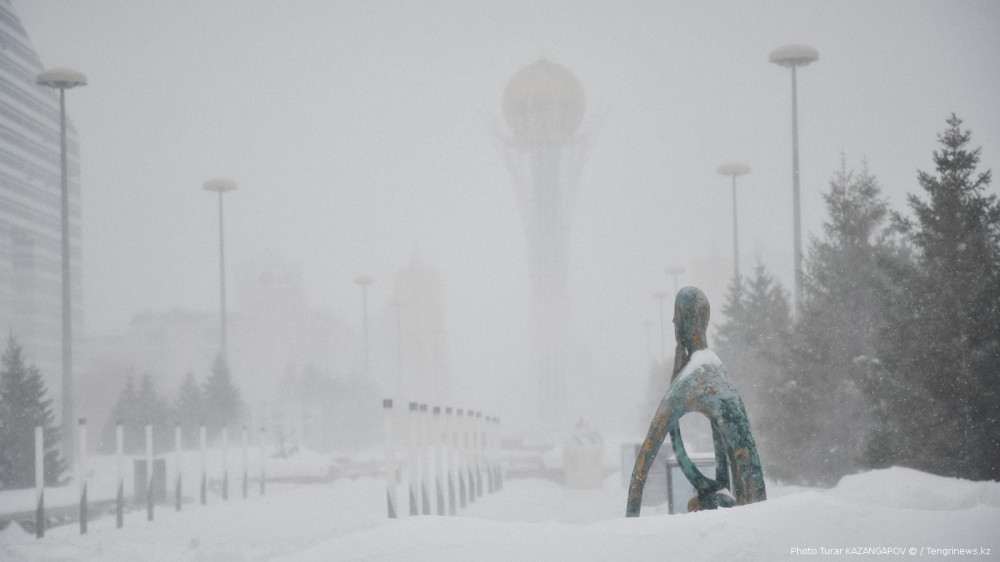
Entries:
{"x":30,"y":205}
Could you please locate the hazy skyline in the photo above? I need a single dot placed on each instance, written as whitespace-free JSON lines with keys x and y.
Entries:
{"x":361,"y":136}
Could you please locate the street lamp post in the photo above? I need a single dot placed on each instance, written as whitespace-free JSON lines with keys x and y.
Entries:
{"x":734,"y":169}
{"x":398,"y":305}
{"x":648,"y":324}
{"x":220,"y":186}
{"x":63,"y":79}
{"x":794,"y":56}
{"x":674,"y":271}
{"x":365,"y":281}
{"x":661,"y":295}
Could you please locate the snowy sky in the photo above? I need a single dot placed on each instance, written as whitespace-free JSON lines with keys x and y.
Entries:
{"x":360,"y":136}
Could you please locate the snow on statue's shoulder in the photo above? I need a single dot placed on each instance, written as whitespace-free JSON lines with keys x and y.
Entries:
{"x":699,"y":359}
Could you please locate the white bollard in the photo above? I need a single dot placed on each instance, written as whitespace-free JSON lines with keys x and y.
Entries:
{"x":449,"y":440}
{"x":246,"y":464}
{"x":390,"y":461}
{"x":203,"y":444}
{"x":468,"y":452}
{"x":437,"y":435}
{"x":494,"y":452}
{"x":177,"y":463}
{"x":491,"y":458}
{"x":425,"y":473}
{"x":411,"y":459}
{"x":149,"y":472}
{"x":120,"y":466}
{"x":499,"y":452}
{"x":477,"y":440}
{"x":82,"y":473}
{"x":225,"y":463}
{"x":487,"y":454}
{"x":39,"y":482}
{"x":459,"y":437}
{"x":263,"y":473}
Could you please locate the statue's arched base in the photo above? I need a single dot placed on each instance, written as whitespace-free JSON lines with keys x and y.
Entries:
{"x":711,"y":500}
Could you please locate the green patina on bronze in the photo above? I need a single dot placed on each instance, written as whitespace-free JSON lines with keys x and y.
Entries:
{"x":703,"y":388}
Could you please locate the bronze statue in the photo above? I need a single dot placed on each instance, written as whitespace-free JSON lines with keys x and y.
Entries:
{"x":699,"y":384}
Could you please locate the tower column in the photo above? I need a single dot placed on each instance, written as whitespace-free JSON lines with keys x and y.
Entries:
{"x":543,"y":105}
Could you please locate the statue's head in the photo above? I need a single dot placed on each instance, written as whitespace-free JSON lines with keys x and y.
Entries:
{"x":691,"y":312}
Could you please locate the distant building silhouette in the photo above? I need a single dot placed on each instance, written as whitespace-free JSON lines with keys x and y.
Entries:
{"x":422,"y":372}
{"x":273,"y":334}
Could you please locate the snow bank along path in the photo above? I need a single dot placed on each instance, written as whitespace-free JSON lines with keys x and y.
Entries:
{"x":539,"y":520}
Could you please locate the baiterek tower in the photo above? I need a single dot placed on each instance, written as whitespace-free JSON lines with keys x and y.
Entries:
{"x":543,"y":105}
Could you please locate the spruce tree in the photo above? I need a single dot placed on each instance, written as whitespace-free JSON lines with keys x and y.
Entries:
{"x":23,"y":406}
{"x":757,"y":312}
{"x":189,"y":409}
{"x":153,"y":410}
{"x":127,"y":409}
{"x":946,"y":339}
{"x":844,"y":280}
{"x":753,"y":345}
{"x":836,"y":333}
{"x":222,"y":403}
{"x":137,"y":407}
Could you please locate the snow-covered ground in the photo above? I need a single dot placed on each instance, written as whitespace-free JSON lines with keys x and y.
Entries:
{"x":894,"y":512}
